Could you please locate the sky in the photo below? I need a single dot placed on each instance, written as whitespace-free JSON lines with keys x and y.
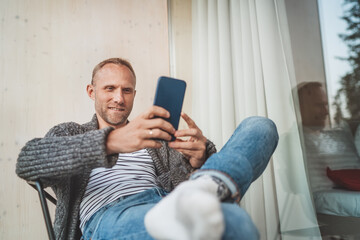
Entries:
{"x":331,"y":26}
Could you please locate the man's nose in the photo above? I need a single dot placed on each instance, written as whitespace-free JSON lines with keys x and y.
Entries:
{"x":118,"y":96}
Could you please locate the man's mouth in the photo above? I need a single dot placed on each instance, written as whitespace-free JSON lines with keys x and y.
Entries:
{"x":117,"y":109}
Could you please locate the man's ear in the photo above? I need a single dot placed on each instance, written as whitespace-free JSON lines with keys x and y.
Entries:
{"x":90,"y":91}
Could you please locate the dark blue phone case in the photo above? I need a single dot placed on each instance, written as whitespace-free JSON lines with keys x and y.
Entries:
{"x":170,"y":94}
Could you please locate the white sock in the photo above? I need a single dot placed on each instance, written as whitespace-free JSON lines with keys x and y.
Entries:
{"x":191,"y":212}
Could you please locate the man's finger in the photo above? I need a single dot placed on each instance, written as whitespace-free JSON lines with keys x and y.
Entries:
{"x":159,"y":123}
{"x":188,"y":120}
{"x":156,"y":134}
{"x":187,"y":153}
{"x":156,"y":111}
{"x":151,"y":144}
{"x":190,"y":132}
{"x":186,"y":145}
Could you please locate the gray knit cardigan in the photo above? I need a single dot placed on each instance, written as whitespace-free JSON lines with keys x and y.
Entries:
{"x":64,"y":158}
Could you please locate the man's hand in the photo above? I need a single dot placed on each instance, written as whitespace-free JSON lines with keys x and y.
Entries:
{"x":141,"y":132}
{"x":194,"y":147}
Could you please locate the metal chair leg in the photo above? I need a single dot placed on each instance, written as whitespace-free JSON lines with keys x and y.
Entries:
{"x":43,"y":196}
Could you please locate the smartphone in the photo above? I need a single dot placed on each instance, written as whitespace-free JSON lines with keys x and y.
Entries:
{"x":170,"y":94}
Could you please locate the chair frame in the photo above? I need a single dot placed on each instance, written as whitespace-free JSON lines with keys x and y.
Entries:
{"x":44,"y":196}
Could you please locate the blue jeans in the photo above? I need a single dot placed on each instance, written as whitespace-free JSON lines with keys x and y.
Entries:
{"x":243,"y":159}
{"x":124,"y":218}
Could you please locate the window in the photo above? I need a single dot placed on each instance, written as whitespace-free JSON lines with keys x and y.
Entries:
{"x":330,"y":117}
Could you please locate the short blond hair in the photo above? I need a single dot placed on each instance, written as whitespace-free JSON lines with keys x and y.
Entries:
{"x":117,"y":61}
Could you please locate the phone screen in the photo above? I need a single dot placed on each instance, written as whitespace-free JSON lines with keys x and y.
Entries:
{"x":170,"y":94}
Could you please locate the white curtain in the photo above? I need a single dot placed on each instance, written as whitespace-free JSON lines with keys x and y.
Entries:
{"x":242,"y":66}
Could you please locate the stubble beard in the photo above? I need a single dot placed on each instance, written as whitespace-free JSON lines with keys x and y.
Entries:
{"x":114,"y":119}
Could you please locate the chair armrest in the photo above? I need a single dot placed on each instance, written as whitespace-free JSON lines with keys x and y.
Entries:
{"x":37,"y":185}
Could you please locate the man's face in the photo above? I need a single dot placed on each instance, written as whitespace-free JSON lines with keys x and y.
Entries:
{"x":314,"y":108}
{"x":113,"y":91}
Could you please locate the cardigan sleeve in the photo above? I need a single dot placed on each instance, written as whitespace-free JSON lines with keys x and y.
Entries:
{"x":210,"y":149}
{"x":66,"y":150}
{"x":172,"y":167}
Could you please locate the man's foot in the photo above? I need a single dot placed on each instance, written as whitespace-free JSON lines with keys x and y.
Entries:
{"x":191,"y":212}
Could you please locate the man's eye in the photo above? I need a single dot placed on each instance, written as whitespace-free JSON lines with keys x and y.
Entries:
{"x":109,"y":88}
{"x":127,"y":90}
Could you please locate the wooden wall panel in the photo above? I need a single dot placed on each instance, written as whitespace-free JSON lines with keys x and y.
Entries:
{"x":47,"y":52}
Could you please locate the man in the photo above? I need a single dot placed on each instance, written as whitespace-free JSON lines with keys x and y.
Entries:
{"x":314,"y":107}
{"x":107,"y":174}
{"x":325,"y":147}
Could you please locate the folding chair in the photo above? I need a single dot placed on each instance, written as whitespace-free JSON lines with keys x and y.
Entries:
{"x":43,"y":196}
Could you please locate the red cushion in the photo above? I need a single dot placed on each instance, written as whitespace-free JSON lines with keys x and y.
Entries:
{"x":347,"y":178}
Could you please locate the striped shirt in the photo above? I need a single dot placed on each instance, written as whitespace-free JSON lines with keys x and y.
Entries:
{"x":132,"y":173}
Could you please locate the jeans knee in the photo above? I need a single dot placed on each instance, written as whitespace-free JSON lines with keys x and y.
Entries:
{"x":262,"y":126}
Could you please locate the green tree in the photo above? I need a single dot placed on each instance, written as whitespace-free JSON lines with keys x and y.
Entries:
{"x":350,"y":82}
